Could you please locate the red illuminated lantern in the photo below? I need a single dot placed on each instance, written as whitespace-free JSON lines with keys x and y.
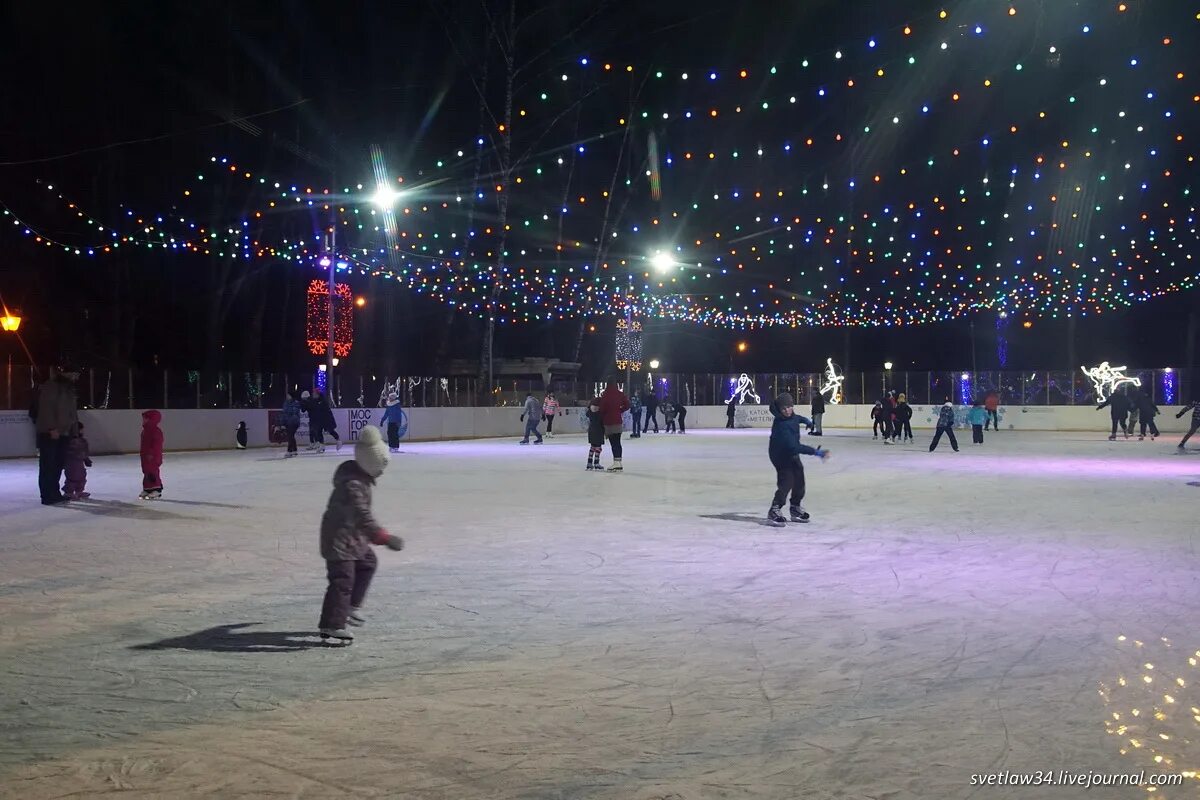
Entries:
{"x":317,"y":326}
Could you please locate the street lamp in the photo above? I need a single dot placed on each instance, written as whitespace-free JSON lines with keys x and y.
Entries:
{"x":385,"y":197}
{"x":654,"y":364}
{"x":661,"y":261}
{"x":10,"y":322}
{"x":887,"y":372}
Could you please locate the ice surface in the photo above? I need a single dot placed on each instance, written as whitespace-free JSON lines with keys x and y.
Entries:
{"x":551,"y":633}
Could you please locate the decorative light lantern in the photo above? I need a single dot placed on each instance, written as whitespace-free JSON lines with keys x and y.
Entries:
{"x":629,"y":344}
{"x":10,"y":322}
{"x":317,"y":326}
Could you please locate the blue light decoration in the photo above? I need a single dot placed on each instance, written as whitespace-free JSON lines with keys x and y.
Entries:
{"x":321,"y":378}
{"x":1167,"y":384}
{"x":964,"y":389}
{"x":1001,"y":338}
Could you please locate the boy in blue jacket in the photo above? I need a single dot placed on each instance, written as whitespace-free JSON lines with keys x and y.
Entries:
{"x":785,"y":450}
{"x":977,"y":417}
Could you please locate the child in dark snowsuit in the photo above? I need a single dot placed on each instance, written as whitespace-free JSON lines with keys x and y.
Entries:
{"x":1118,"y":409}
{"x":152,"y":455}
{"x":945,"y":424}
{"x":785,"y":450}
{"x":78,"y":459}
{"x":1147,"y":410}
{"x":595,"y":434}
{"x":878,"y":425}
{"x":348,"y":530}
{"x":1194,"y":406}
{"x":668,"y":410}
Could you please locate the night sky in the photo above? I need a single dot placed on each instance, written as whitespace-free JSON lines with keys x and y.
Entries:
{"x":861,"y":191}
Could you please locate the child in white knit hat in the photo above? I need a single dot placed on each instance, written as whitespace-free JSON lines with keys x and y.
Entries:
{"x":348,"y":529}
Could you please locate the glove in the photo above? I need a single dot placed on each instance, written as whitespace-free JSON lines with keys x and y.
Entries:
{"x":1177,"y":416}
{"x":822,"y":454}
{"x":394,"y":543}
{"x":522,"y":418}
{"x":87,"y":462}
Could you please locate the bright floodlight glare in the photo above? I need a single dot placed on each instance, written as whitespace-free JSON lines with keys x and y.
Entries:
{"x":662,"y":261}
{"x":385,"y":197}
{"x":654,"y":364}
{"x":887,"y":365}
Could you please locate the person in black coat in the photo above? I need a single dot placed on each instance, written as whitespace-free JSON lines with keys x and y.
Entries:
{"x":1146,"y":413}
{"x":1118,"y":409}
{"x":903,"y":414}
{"x":730,"y":410}
{"x":818,"y":411}
{"x":320,"y":417}
{"x":681,"y":409}
{"x":650,"y":402}
{"x":1194,"y":407}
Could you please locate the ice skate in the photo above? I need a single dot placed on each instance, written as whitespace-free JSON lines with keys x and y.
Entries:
{"x":154,"y":494}
{"x":337,"y":447}
{"x":798,"y":514}
{"x":356,"y":618}
{"x":523,"y":441}
{"x":1112,"y":438}
{"x":775,"y":517}
{"x":145,"y":495}
{"x":290,"y":455}
{"x":616,"y":467}
{"x":82,"y":496}
{"x":340,"y":637}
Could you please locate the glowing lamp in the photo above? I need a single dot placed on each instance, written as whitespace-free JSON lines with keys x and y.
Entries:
{"x":662,"y":261}
{"x":360,"y":301}
{"x":10,"y":322}
{"x":385,"y":197}
{"x":741,"y":347}
{"x":887,"y":365}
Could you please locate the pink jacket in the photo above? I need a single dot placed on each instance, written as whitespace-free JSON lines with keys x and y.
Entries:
{"x":152,"y":441}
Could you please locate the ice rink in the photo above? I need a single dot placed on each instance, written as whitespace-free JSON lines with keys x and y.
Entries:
{"x":551,"y":633}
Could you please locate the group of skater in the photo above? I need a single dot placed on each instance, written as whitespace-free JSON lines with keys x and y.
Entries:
{"x":1130,"y":406}
{"x":320,"y":420}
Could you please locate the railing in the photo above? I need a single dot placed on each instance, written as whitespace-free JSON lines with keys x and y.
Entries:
{"x":135,"y":388}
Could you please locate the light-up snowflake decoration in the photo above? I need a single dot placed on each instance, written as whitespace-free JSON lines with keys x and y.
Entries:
{"x":1107,"y":380}
{"x":833,"y":382}
{"x":741,"y":388}
{"x":629,"y":345}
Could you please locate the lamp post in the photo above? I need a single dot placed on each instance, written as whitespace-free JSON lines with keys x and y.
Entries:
{"x":887,"y":375}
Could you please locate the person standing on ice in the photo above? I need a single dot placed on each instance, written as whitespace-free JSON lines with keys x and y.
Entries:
{"x":945,"y":424}
{"x":991,"y":404}
{"x":79,"y":458}
{"x":595,"y":434}
{"x":730,"y":411}
{"x":320,"y":417}
{"x":668,"y":410}
{"x":531,"y":417}
{"x":549,"y":412}
{"x":1146,"y":413}
{"x":290,"y":417}
{"x":1118,"y":409}
{"x":877,"y":415}
{"x":650,"y":401}
{"x":1194,"y":407}
{"x":817,"y":411}
{"x":348,"y":529}
{"x":977,"y":417}
{"x":903,"y":419}
{"x":393,"y":415}
{"x":613,"y":405}
{"x":784,"y":451}
{"x":682,"y":411}
{"x":152,"y":455}
{"x":635,"y":411}
{"x":54,"y":413}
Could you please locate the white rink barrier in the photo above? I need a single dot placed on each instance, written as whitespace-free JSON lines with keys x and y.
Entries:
{"x":119,"y":431}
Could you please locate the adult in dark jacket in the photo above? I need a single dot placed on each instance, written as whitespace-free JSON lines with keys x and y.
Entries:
{"x":945,"y":425}
{"x":55,"y":417}
{"x":681,"y":409}
{"x":1147,"y":410}
{"x":903,"y":414}
{"x":730,"y":411}
{"x":320,"y":417}
{"x":613,"y":405}
{"x":650,"y":401}
{"x":1118,"y":409}
{"x":289,"y":417}
{"x":818,"y":411}
{"x":1194,"y":407}
{"x":784,"y":450}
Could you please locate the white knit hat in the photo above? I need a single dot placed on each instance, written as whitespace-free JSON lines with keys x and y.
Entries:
{"x":371,"y":451}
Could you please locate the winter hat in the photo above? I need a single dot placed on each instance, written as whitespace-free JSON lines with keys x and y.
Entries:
{"x":393,"y":398}
{"x":371,"y":452}
{"x":784,"y":400}
{"x":304,"y":395}
{"x":902,"y":398}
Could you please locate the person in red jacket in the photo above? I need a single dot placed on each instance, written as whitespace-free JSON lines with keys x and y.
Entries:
{"x":152,"y":455}
{"x":991,"y":403}
{"x":613,"y":405}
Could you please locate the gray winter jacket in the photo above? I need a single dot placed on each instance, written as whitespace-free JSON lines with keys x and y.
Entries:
{"x":348,"y":529}
{"x":533,"y":409}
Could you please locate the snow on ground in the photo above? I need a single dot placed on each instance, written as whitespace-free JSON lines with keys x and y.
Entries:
{"x":551,"y":633}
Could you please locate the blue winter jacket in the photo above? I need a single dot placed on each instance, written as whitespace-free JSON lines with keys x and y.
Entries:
{"x":946,"y":417}
{"x":785,"y":436}
{"x":977,"y":415}
{"x":393,"y":414}
{"x":290,"y":413}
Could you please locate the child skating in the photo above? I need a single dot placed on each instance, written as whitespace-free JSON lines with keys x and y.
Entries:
{"x":78,"y":459}
{"x":348,"y":529}
{"x":785,"y":450}
{"x":152,"y":455}
{"x":977,"y":417}
{"x":668,"y":409}
{"x":595,"y":433}
{"x":392,"y":417}
{"x":945,"y":425}
{"x":549,"y":412}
